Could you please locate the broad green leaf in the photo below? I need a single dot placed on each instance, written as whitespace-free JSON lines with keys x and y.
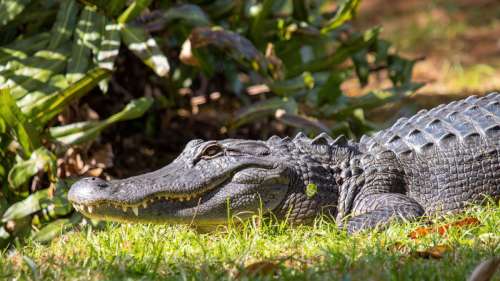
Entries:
{"x":263,"y":109}
{"x":30,"y":44}
{"x":9,"y":9}
{"x":132,"y":110}
{"x":85,"y":39}
{"x":362,"y":67}
{"x":64,"y":24}
{"x":189,"y":14}
{"x":51,"y":230}
{"x":133,"y":10}
{"x":381,"y":51}
{"x":145,"y":47}
{"x":345,"y":12}
{"x":61,"y":131}
{"x":371,"y":100}
{"x":81,"y":132}
{"x":330,"y":91}
{"x":108,"y":49}
{"x":233,"y":45}
{"x":110,"y":46}
{"x":13,"y":117}
{"x":48,"y":107}
{"x":258,"y":27}
{"x":40,"y":160}
{"x":339,"y":56}
{"x":36,"y":71}
{"x":59,"y":204}
{"x":400,"y":70}
{"x":9,"y":60}
{"x":55,"y":84}
{"x":27,"y":206}
{"x":292,"y":85}
{"x":4,"y":237}
{"x":20,"y":49}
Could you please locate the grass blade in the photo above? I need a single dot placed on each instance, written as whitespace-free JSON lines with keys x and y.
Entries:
{"x":145,"y":47}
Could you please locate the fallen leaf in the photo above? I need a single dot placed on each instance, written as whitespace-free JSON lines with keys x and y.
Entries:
{"x":435,"y":252}
{"x":441,"y":230}
{"x":259,"y":268}
{"x":94,"y":172}
{"x":485,"y":270}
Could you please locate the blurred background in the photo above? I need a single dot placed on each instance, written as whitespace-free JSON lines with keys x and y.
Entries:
{"x":116,"y":88}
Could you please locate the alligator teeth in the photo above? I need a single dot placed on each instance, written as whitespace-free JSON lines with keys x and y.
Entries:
{"x":181,"y":199}
{"x":124,"y":208}
{"x":145,"y":204}
{"x":90,"y":209}
{"x":136,"y":211}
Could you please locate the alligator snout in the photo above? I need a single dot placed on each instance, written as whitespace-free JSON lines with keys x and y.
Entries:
{"x":87,"y":189}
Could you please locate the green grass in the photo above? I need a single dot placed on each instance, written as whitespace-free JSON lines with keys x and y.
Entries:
{"x":318,"y":252}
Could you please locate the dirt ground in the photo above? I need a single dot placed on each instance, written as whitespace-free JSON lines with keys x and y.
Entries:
{"x":459,"y":39}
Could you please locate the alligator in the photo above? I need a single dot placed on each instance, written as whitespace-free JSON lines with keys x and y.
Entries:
{"x":438,"y":161}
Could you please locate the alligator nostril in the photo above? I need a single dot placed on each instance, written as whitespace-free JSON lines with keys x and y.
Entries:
{"x":93,"y":179}
{"x":102,"y":185}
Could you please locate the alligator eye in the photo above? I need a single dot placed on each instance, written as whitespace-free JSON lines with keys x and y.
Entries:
{"x":212,"y":151}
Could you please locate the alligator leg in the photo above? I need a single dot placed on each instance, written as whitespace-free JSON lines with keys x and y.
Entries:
{"x":377,"y":197}
{"x":377,"y":210}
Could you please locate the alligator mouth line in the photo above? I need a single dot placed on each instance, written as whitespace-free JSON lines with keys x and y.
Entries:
{"x":160,"y":197}
{"x":163,"y":198}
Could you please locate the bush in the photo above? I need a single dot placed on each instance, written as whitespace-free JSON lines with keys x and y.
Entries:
{"x":299,"y":52}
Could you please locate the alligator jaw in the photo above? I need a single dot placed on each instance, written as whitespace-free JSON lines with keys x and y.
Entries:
{"x":159,"y":207}
{"x":136,"y":212}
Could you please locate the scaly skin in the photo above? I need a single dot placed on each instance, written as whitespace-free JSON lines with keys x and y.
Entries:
{"x":438,"y":161}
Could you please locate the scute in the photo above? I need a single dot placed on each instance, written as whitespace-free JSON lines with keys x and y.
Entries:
{"x":445,"y":124}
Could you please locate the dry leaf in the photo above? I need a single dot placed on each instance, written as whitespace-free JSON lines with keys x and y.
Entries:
{"x":435,"y":252}
{"x":186,"y":56}
{"x":485,"y":270}
{"x":94,"y":172}
{"x":259,"y":268}
{"x":103,"y":157}
{"x":441,"y":230}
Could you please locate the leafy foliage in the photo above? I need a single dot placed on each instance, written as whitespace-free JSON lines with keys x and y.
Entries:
{"x":299,"y":52}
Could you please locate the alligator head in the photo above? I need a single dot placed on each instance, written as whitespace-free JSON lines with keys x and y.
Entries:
{"x":211,"y":179}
